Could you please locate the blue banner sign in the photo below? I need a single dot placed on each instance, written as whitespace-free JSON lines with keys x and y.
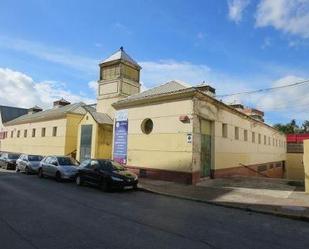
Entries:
{"x":121,"y":138}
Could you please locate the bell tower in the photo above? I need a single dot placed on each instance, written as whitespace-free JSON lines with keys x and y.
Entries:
{"x":119,"y":78}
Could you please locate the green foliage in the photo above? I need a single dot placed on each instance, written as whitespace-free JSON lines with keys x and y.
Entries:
{"x":292,"y":127}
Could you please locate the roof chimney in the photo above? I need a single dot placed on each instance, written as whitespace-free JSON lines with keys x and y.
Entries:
{"x":61,"y":102}
{"x":34,"y":109}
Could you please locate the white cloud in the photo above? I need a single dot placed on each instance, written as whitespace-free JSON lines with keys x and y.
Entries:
{"x":287,"y":103}
{"x":93,"y":85}
{"x":155,"y":73}
{"x":161,"y":71}
{"x":289,"y":16}
{"x":18,"y":89}
{"x":236,"y":9}
{"x":296,"y":97}
{"x":55,"y":55}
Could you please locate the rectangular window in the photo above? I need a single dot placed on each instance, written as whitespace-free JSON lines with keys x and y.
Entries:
{"x":253,"y":137}
{"x":273,"y":142}
{"x":264,"y":140}
{"x":237,"y":133}
{"x":246,"y":135}
{"x":54,"y":131}
{"x":260,"y":138}
{"x":33,"y":132}
{"x":25,"y":133}
{"x":18,"y":133}
{"x":268,"y":140}
{"x":43,"y":132}
{"x":12,"y":134}
{"x":224,"y":130}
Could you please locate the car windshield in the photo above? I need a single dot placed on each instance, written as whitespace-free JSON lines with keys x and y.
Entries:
{"x":13,"y":156}
{"x":35,"y":158}
{"x":116,"y":166}
{"x":67,"y":161}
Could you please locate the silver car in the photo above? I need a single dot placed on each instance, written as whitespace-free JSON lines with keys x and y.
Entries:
{"x":58,"y":167}
{"x":28,"y":163}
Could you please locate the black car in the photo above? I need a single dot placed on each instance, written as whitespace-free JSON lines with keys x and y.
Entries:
{"x":106,"y":174}
{"x":8,"y":160}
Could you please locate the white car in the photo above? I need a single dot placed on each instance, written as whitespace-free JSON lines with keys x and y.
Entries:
{"x":28,"y":163}
{"x":58,"y":167}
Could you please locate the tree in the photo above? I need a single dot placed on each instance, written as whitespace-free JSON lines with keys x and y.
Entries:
{"x":305,"y":126}
{"x":288,"y":128}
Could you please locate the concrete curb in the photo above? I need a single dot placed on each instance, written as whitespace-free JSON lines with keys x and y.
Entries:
{"x":243,"y":207}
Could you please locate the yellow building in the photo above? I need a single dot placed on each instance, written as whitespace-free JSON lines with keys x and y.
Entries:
{"x":171,"y":132}
{"x":119,"y":78}
{"x":49,"y":132}
{"x":183,"y":133}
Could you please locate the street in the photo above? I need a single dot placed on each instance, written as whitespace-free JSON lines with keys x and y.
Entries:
{"x":41,"y":213}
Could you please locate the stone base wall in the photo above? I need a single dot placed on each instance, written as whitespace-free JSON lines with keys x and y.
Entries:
{"x":165,"y":175}
{"x":272,"y":169}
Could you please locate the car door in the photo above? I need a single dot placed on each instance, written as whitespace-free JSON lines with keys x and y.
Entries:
{"x":23,"y":162}
{"x":19,"y":162}
{"x":84,"y":167}
{"x":92,"y":172}
{"x":46,"y":166}
{"x":53,"y":166}
{"x":4,"y":158}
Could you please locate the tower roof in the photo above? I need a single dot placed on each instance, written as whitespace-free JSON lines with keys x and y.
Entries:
{"x":120,"y":54}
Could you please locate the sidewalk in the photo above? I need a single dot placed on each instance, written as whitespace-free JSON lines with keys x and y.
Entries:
{"x":264,"y":195}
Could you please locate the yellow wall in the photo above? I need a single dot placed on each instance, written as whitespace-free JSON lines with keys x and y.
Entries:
{"x":71,"y":133}
{"x":62,"y":144}
{"x":105,"y":139}
{"x":294,"y":166}
{"x":230,"y":152}
{"x":306,"y":164}
{"x":101,"y":143}
{"x":166,"y":146}
{"x":104,"y":105}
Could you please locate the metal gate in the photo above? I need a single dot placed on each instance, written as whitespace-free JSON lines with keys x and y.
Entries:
{"x":85,"y":142}
{"x":206,"y":150}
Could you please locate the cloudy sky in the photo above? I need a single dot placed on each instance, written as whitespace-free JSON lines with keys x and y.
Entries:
{"x":51,"y":49}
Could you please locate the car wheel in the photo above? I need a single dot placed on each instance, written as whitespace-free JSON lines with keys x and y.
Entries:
{"x":105,"y":186}
{"x":79,"y":180}
{"x":40,"y":173}
{"x":58,"y":177}
{"x":27,"y":171}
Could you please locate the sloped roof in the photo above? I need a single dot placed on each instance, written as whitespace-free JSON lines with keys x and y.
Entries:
{"x":99,"y":117}
{"x":76,"y":108}
{"x":9,"y":113}
{"x":120,"y":54}
{"x":169,"y":87}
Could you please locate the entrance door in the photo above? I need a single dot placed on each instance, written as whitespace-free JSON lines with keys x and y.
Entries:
{"x":205,"y":148}
{"x":85,"y":142}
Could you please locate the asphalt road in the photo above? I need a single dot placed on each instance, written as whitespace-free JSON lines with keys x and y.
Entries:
{"x":41,"y":213}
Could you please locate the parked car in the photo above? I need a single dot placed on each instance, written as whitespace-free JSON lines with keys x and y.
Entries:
{"x":8,"y":160}
{"x":106,"y":174}
{"x":59,"y":167}
{"x":28,"y":163}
